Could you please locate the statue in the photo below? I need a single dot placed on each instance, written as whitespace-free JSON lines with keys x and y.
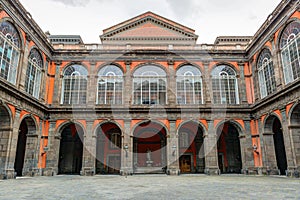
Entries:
{"x":149,"y":155}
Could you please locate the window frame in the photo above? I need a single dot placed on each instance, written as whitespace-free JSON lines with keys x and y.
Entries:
{"x":145,"y":94}
{"x":221,"y":73}
{"x":10,"y":51}
{"x":185,"y":73}
{"x":74,"y":76}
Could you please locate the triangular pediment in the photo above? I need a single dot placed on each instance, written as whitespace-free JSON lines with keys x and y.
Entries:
{"x":149,"y":27}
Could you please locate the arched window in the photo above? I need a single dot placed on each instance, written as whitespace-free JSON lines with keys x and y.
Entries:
{"x":9,"y":51}
{"x":110,"y":85}
{"x":149,"y":85}
{"x":74,"y":86}
{"x":266,"y":75}
{"x":189,"y":85}
{"x":290,"y":54}
{"x":33,"y":73}
{"x":224,"y":85}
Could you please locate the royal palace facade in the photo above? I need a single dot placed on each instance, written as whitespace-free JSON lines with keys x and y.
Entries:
{"x":149,"y":99}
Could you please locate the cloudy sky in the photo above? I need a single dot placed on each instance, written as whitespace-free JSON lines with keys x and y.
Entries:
{"x":210,"y":18}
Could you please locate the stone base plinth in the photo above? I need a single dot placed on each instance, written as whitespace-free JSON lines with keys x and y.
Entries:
{"x":212,"y":171}
{"x":87,"y":171}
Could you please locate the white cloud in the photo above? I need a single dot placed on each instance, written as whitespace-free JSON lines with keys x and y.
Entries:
{"x":74,"y":2}
{"x":210,"y":18}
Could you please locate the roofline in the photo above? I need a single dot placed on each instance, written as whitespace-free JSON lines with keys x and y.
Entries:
{"x":148,"y":13}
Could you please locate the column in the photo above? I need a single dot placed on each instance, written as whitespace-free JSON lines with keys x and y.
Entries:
{"x":247,"y":150}
{"x":127,"y":150}
{"x":211,"y":151}
{"x":172,"y":150}
{"x":89,"y":151}
{"x":12,"y":146}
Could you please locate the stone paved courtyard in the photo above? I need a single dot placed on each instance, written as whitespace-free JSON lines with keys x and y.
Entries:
{"x":151,"y":187}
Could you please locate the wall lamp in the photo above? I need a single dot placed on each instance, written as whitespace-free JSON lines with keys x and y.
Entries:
{"x":174,"y":150}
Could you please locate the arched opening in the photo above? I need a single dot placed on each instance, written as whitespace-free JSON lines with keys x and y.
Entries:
{"x":149,"y":147}
{"x":273,"y":125}
{"x":295,"y":131}
{"x":4,"y":136}
{"x":25,"y":150}
{"x":71,"y":150}
{"x":108,"y":153}
{"x":229,"y":149}
{"x":191,"y":148}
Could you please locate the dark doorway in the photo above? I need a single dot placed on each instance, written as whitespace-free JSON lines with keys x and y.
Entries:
{"x":229,"y":150}
{"x":185,"y":164}
{"x":108,"y":151}
{"x":71,"y":150}
{"x":149,"y":148}
{"x":191,"y":148}
{"x":279,"y":146}
{"x":21,"y":148}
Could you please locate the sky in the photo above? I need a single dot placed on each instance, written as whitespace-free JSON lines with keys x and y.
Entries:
{"x":209,"y":18}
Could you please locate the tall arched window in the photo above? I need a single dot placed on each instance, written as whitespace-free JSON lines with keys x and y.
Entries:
{"x":290,"y":54}
{"x":149,"y":85}
{"x":266,"y":75}
{"x":9,"y":51}
{"x":74,"y":86}
{"x":34,"y":73}
{"x":110,"y":85}
{"x":224,"y":85}
{"x":189,"y":85}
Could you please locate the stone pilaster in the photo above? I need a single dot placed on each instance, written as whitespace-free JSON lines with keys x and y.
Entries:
{"x":276,"y":63}
{"x":127,"y":85}
{"x":211,"y":151}
{"x":92,"y":86}
{"x":289,"y":144}
{"x":242,"y":84}
{"x":12,"y":147}
{"x":127,"y":150}
{"x":53,"y":151}
{"x":172,"y":99}
{"x":173,"y":150}
{"x":206,"y":80}
{"x":89,"y":151}
{"x":247,"y":150}
{"x":57,"y":84}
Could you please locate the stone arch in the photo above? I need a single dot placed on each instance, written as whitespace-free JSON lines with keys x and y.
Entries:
{"x":191,"y":147}
{"x":27,"y":150}
{"x":5,"y":135}
{"x":294,"y":129}
{"x":274,"y":144}
{"x":108,"y":147}
{"x":149,"y":147}
{"x":229,"y":146}
{"x":70,"y":141}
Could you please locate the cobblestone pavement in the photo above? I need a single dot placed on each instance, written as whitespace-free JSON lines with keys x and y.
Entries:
{"x":151,"y":187}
